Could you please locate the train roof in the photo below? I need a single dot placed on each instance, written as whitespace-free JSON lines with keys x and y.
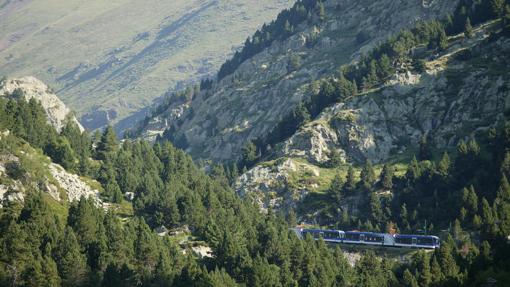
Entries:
{"x":321,"y":230}
{"x":415,"y":236}
{"x":366,"y":233}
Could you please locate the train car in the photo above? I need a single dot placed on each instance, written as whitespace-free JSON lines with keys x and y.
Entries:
{"x":326,"y":235}
{"x":371,"y":238}
{"x":417,"y":241}
{"x":367,"y":238}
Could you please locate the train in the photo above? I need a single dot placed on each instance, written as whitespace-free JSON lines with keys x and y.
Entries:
{"x":371,"y":238}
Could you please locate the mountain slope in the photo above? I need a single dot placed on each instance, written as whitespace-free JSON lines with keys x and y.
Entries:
{"x":109,"y":59}
{"x":31,"y":88}
{"x":249,"y":103}
{"x":462,"y":94}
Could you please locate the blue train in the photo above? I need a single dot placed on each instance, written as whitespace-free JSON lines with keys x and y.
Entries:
{"x":372,"y":238}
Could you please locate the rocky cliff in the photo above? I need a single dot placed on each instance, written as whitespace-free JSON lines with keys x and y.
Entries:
{"x":464,"y":91}
{"x":250,"y":102}
{"x":31,"y":88}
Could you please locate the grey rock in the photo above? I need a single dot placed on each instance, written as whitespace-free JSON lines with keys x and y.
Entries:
{"x":32,"y":88}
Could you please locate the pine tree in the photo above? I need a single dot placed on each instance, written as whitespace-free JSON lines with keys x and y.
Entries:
{"x":367,"y":176}
{"x":486,"y":253}
{"x":322,"y":12}
{"x":477,"y":222}
{"x":442,"y":40}
{"x":61,"y":152}
{"x":413,"y":171}
{"x":336,"y":188}
{"x":404,"y":217}
{"x":385,"y":67}
{"x":498,"y":7}
{"x":487,"y":216}
{"x":249,"y":154}
{"x":375,"y":208}
{"x":435,"y":271}
{"x":335,"y":160}
{"x":468,"y":29}
{"x":409,"y":280}
{"x":503,"y":193}
{"x":457,"y":229}
{"x":502,"y":206}
{"x":443,"y":167}
{"x":72,"y":265}
{"x":505,"y":165}
{"x":449,"y":267}
{"x":386,"y":177}
{"x":425,"y":276}
{"x":107,"y":145}
{"x":425,"y":149}
{"x":350,"y":184}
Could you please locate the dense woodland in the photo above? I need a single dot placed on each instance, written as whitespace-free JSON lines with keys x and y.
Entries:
{"x":464,"y":195}
{"x":91,"y":247}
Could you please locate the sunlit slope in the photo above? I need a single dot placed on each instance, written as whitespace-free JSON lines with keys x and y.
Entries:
{"x":108,"y":59}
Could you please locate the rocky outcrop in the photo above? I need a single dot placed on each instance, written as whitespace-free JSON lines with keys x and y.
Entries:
{"x":271,"y":185}
{"x":32,"y":88}
{"x":250,"y":102}
{"x":448,"y":105}
{"x":315,"y":142}
{"x":26,"y":169}
{"x":463,"y":92}
{"x":74,"y":186}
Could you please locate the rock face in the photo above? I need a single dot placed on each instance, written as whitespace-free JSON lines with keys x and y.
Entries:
{"x":56,"y":180}
{"x":463,"y":92}
{"x":448,"y":105}
{"x":32,"y":88}
{"x":74,"y":186}
{"x":268,"y":184}
{"x":250,"y":102}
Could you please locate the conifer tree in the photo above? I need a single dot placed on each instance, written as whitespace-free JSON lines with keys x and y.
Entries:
{"x":443,"y":166}
{"x":350,"y":184}
{"x":107,"y":145}
{"x":335,"y":159}
{"x":336,"y":188}
{"x":375,"y":208}
{"x":413,"y":171}
{"x":468,"y":29}
{"x":387,"y":177}
{"x":435,"y":271}
{"x":409,"y":280}
{"x":72,"y":265}
{"x":425,"y":149}
{"x":367,"y":176}
{"x":442,"y":40}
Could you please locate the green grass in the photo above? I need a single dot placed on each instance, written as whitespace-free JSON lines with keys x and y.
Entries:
{"x":123,"y":209}
{"x":149,"y":46}
{"x":60,"y":209}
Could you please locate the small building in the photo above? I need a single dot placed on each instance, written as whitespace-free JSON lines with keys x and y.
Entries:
{"x":161,"y":231}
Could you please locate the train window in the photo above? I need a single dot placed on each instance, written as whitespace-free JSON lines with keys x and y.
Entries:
{"x":414,"y":241}
{"x":362,"y":237}
{"x":425,"y":241}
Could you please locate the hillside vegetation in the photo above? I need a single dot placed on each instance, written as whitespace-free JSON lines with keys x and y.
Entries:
{"x":110,"y":59}
{"x":46,"y":242}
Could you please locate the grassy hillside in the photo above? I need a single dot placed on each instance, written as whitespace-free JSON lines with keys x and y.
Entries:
{"x":108,"y":59}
